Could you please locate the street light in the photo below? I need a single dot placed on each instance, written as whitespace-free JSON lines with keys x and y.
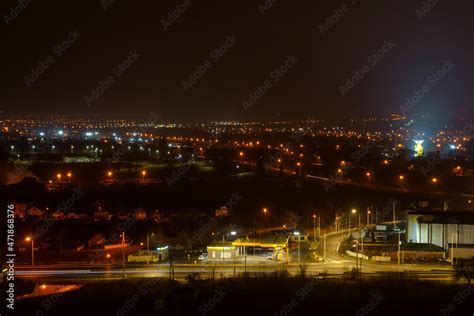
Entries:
{"x":314,"y":226}
{"x":143,"y":175}
{"x":297,"y":234}
{"x":32,"y":249}
{"x":69,"y":175}
{"x":58,"y":176}
{"x":109,"y":174}
{"x":299,"y":166}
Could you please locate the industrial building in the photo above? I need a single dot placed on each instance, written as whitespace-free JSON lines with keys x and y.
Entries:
{"x":450,"y":230}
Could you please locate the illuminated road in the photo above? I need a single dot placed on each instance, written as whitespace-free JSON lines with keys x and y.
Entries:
{"x":340,"y":263}
{"x":335,"y":264}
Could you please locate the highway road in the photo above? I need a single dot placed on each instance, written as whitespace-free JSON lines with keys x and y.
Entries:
{"x":335,"y":265}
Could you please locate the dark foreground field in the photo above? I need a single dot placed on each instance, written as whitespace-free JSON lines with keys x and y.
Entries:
{"x":278,"y":295}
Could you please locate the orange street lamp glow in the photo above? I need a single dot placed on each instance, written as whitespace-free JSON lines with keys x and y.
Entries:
{"x":69,"y":174}
{"x":368,"y":174}
{"x":298,"y":164}
{"x":43,"y":286}
{"x":241,"y":154}
{"x":108,"y":255}
{"x":109,"y":173}
{"x":401,"y":177}
{"x":314,"y":215}
{"x":28,"y":238}
{"x":265,"y":210}
{"x":434,"y":180}
{"x":143,"y":172}
{"x":58,"y":176}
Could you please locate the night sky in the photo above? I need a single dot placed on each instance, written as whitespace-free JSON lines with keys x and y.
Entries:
{"x":258,"y":44}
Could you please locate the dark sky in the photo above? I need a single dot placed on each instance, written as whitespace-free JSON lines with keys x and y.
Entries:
{"x":311,"y":87}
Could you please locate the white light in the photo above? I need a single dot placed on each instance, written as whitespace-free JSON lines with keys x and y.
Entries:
{"x":233,"y":233}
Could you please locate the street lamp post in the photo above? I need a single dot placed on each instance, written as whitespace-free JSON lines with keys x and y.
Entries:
{"x":297,"y":234}
{"x":314,"y":226}
{"x":32,"y":249}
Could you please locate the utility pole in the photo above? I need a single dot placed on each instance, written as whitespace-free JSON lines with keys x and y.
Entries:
{"x":32,"y":251}
{"x":324,"y":245}
{"x":394,"y":209}
{"x":123,"y":252}
{"x":147,"y":248}
{"x":398,"y":253}
{"x":319,"y":226}
{"x":314,"y":227}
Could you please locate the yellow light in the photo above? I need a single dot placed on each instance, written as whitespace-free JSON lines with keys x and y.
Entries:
{"x":401,"y":177}
{"x":143,"y":172}
{"x":43,"y":286}
{"x":241,"y":154}
{"x":108,"y":255}
{"x":339,"y":170}
{"x":109,"y":173}
{"x":434,"y":180}
{"x":69,"y":174}
{"x":265,"y":210}
{"x":27,"y":238}
{"x":314,"y":215}
{"x":368,"y":174}
{"x":298,"y":164}
{"x":58,"y":176}
{"x":354,"y":211}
